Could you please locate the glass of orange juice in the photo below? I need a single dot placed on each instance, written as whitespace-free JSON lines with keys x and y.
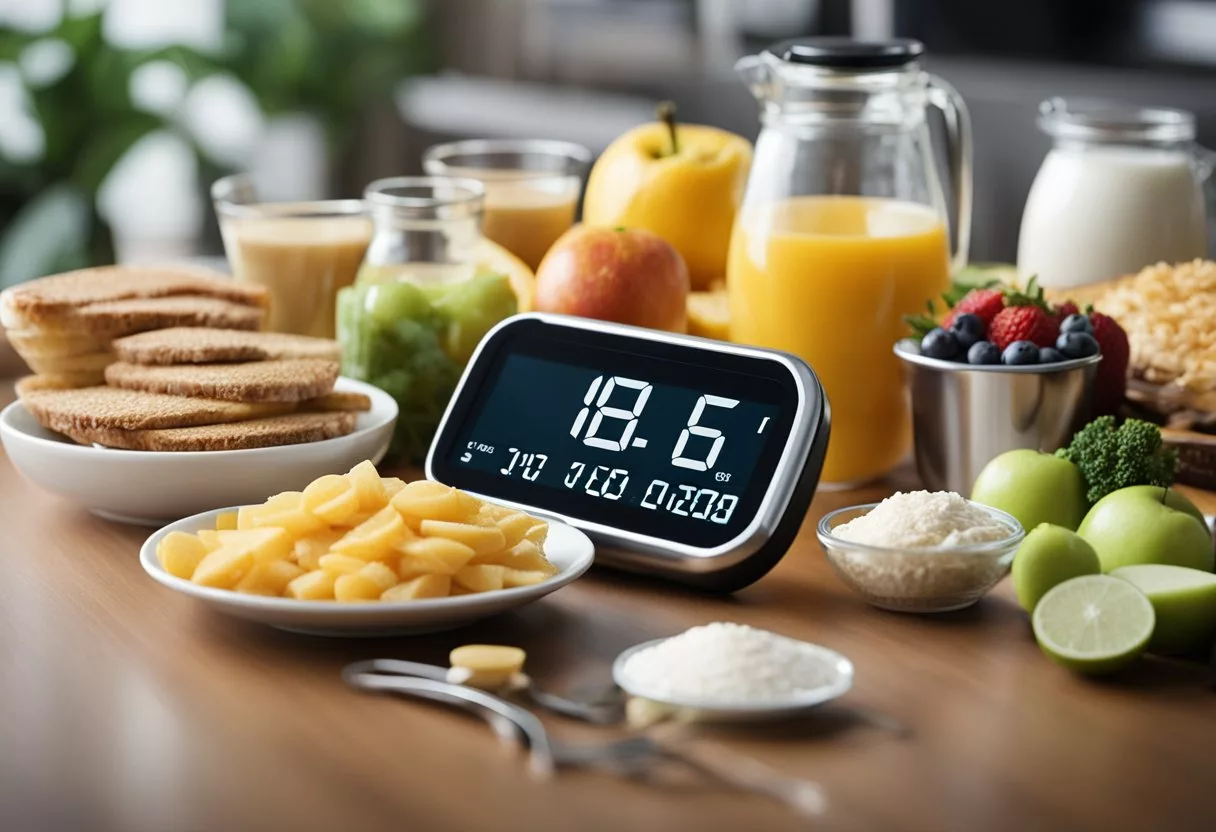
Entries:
{"x":532,"y":187}
{"x":301,"y":252}
{"x":843,"y":229}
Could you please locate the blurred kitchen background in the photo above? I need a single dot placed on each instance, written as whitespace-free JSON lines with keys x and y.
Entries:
{"x":115,"y":115}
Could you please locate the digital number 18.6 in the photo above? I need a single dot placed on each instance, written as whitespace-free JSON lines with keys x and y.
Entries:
{"x":603,"y":411}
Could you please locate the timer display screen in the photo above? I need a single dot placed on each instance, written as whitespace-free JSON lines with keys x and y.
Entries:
{"x":642,"y":441}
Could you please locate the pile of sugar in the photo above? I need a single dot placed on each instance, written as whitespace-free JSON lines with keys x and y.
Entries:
{"x":728,"y":663}
{"x":920,"y":519}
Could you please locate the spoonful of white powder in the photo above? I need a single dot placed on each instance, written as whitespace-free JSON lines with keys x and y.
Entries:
{"x":733,"y":665}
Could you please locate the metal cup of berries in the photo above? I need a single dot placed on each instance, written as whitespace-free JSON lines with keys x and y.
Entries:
{"x":1002,"y":370}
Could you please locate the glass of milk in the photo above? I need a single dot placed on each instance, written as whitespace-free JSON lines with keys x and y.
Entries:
{"x":1122,"y":188}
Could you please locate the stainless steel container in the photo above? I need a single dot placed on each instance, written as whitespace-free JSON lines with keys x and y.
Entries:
{"x":963,"y":415}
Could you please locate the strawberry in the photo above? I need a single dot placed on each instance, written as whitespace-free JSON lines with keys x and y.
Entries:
{"x":1064,"y":310}
{"x":1111,"y":383}
{"x":1022,"y":323}
{"x":986,"y":303}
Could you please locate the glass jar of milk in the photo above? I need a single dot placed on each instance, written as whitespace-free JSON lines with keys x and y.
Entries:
{"x":1122,"y":188}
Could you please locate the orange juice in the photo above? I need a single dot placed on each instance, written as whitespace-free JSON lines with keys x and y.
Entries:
{"x":526,"y":217}
{"x":829,"y":278}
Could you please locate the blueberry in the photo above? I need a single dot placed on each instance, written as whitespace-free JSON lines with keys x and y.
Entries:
{"x":968,"y":329}
{"x":983,"y":352}
{"x":1019,"y":353}
{"x":1076,"y":323}
{"x":1050,"y":355}
{"x":939,"y":344}
{"x":1077,"y":345}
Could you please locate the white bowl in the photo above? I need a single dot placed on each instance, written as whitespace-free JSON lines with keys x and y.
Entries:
{"x":569,"y":549}
{"x":149,"y":488}
{"x":839,"y":680}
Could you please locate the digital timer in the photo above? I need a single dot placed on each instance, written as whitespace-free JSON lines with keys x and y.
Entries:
{"x":678,"y":456}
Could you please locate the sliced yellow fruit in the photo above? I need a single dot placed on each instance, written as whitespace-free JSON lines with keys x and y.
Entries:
{"x":375,"y":538}
{"x":269,"y":578}
{"x":226,"y":521}
{"x":485,"y":578}
{"x":709,"y":314}
{"x":181,"y":553}
{"x":317,"y":585}
{"x":332,"y":498}
{"x":425,"y":586}
{"x":369,"y":487}
{"x":481,"y":539}
{"x":433,"y":555}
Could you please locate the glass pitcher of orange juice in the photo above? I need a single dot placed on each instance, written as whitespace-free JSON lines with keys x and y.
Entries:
{"x":843,"y":228}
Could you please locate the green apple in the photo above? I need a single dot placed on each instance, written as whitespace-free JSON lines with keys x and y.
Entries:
{"x":1139,"y":525}
{"x":1173,"y":498}
{"x":1050,"y":555}
{"x":1034,"y":487}
{"x":1184,"y":600}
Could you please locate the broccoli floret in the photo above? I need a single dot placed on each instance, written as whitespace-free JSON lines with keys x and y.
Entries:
{"x":1111,"y":457}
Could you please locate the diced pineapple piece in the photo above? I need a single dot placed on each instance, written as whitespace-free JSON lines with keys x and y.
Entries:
{"x":223,"y":567}
{"x":264,"y":544}
{"x":428,"y":500}
{"x":375,"y":538}
{"x":523,"y":555}
{"x":269,"y":578}
{"x":514,"y":526}
{"x":245,"y":515}
{"x":392,"y":485}
{"x":379,"y":573}
{"x":523,"y":577}
{"x":225,"y":521}
{"x":341,"y":564}
{"x":492,"y":513}
{"x":538,"y":533}
{"x":292,"y":518}
{"x":308,"y":551}
{"x":351,"y":588}
{"x":332,"y":498}
{"x":210,"y":539}
{"x":356,"y":519}
{"x":425,"y":586}
{"x":496,"y":660}
{"x":433,"y":554}
{"x":180,"y":554}
{"x":368,"y":487}
{"x":317,"y":585}
{"x":485,"y":578}
{"x":481,"y":539}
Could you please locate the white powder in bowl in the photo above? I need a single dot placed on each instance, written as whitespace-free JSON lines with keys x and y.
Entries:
{"x":729,"y":664}
{"x":920,"y":519}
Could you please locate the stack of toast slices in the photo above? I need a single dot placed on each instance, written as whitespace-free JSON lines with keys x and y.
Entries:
{"x":202,"y":389}
{"x":63,"y":326}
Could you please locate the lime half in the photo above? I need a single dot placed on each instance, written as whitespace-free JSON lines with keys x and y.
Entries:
{"x":1093,"y":624}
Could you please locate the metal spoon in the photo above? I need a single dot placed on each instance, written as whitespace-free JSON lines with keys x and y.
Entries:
{"x":608,"y":713}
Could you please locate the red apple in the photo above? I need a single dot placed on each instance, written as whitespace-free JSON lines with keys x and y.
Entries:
{"x":626,"y":275}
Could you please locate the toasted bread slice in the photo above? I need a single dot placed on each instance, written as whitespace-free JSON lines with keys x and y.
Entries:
{"x":53,"y":344}
{"x":90,"y":408}
{"x":125,"y":317}
{"x":51,"y":299}
{"x":292,"y":429}
{"x":198,"y":345}
{"x":338,"y":401}
{"x":287,"y":380}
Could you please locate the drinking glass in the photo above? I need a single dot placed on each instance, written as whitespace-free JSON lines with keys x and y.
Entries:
{"x":303,"y":253}
{"x":532,"y":187}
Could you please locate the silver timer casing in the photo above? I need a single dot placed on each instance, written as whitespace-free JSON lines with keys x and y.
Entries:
{"x":725,"y":567}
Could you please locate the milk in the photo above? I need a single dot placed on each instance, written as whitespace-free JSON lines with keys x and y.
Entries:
{"x":1097,"y":213}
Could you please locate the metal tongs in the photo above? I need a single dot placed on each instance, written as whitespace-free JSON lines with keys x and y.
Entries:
{"x":633,"y":756}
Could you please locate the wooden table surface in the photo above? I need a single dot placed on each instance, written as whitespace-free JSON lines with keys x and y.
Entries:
{"x":124,"y":706}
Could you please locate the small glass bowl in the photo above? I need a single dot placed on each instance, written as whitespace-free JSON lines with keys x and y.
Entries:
{"x":925,"y":580}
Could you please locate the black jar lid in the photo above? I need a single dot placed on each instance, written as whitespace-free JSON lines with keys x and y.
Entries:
{"x":846,"y":53}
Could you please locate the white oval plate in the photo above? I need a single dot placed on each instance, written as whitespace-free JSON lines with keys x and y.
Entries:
{"x":150,"y":488}
{"x":773,"y":709}
{"x":569,"y":549}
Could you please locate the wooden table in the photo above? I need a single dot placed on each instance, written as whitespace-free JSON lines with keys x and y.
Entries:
{"x":126,"y":707}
